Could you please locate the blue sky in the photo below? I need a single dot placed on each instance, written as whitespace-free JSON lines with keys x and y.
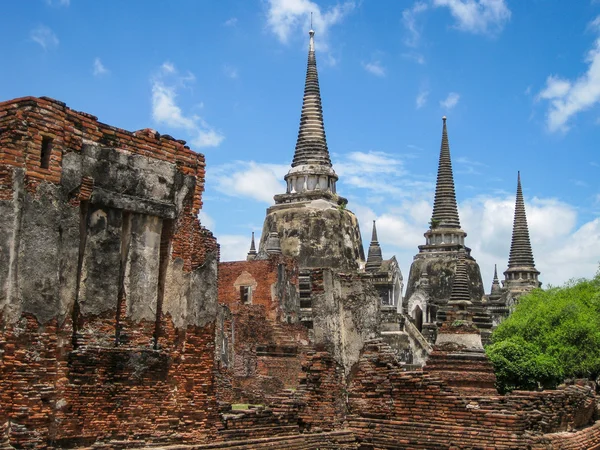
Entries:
{"x":518,"y":80}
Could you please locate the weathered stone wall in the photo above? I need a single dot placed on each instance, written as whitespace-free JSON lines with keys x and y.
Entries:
{"x":440,"y":269}
{"x":108,"y":283}
{"x":316,"y":234}
{"x":345,"y":313}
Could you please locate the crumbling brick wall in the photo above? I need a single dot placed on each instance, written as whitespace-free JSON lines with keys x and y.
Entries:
{"x":265,"y":340}
{"x":108,"y":283}
{"x":391,"y":408}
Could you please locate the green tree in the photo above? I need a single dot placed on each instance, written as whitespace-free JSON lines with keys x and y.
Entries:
{"x":551,"y":335}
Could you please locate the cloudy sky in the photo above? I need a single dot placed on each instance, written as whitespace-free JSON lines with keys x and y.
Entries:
{"x":518,"y":80}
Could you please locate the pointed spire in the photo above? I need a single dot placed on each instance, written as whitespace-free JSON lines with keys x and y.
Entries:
{"x":495,"y":282}
{"x":445,"y":211}
{"x":311,"y":146}
{"x":520,"y":247}
{"x":252,"y":253}
{"x":460,"y":287}
{"x":374,"y":233}
{"x":374,"y":259}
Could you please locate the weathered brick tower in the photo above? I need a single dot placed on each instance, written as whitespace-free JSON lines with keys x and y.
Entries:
{"x":432,"y":271}
{"x":311,"y":219}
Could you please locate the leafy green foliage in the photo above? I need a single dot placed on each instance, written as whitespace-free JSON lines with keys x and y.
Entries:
{"x":552,"y":334}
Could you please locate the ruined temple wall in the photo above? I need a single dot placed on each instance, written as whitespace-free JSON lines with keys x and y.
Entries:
{"x":273,"y":283}
{"x":389,"y":408}
{"x":261,"y":341}
{"x":346,"y":312}
{"x":108,"y":282}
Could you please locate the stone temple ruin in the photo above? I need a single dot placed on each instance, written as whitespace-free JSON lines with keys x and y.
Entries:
{"x":120,"y":328}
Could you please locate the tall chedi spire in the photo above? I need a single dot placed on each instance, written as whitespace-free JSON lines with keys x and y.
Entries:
{"x":445,"y":211}
{"x":437,"y":260}
{"x":374,"y":258}
{"x":310,"y":219}
{"x":521,"y":275}
{"x":311,"y":176}
{"x":445,"y":232}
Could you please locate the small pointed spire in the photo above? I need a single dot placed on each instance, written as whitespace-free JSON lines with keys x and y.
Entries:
{"x":252,"y":253}
{"x":374,"y":258}
{"x":520,"y":247}
{"x":445,"y":211}
{"x":374,"y":233}
{"x":460,"y":287}
{"x":495,"y":282}
{"x":311,"y":146}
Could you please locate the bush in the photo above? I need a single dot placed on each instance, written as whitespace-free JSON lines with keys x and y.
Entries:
{"x":552,"y":334}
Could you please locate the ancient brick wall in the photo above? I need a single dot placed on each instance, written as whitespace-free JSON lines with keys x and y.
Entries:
{"x":265,"y":341}
{"x":270,"y":281}
{"x":108,"y":283}
{"x":389,"y":408}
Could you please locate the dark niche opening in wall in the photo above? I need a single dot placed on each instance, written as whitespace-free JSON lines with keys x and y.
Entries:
{"x":46,"y":152}
{"x":418,"y":316}
{"x":245,"y":294}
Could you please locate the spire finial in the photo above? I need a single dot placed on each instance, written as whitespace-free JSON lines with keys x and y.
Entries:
{"x":374,"y":234}
{"x":445,"y":211}
{"x":495,"y":273}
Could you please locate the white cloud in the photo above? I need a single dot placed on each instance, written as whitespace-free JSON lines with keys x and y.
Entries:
{"x":234,"y":247}
{"x":58,"y":2}
{"x":375,"y":68}
{"x":377,"y":173}
{"x":568,"y":98}
{"x":249,"y":179}
{"x":421,"y":99}
{"x":99,"y":69}
{"x":409,"y":19}
{"x":44,"y":36}
{"x":416,"y":57}
{"x":285,"y":17}
{"x":230,"y":72}
{"x":477,"y":16}
{"x":468,"y":166}
{"x":231,"y":22}
{"x":450,"y":101}
{"x":206,"y":220}
{"x":165,"y":84}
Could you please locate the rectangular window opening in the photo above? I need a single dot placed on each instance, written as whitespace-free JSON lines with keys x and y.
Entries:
{"x":245,"y":294}
{"x":46,"y":152}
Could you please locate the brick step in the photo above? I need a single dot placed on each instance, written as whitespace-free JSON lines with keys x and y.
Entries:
{"x":325,"y":441}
